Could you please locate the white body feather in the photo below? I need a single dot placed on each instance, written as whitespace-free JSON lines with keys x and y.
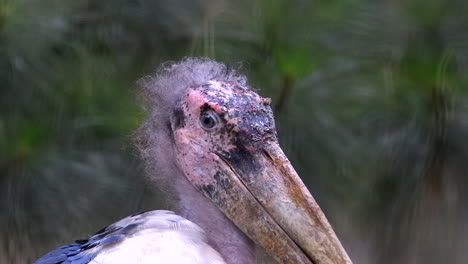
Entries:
{"x":163,"y":238}
{"x":154,"y":237}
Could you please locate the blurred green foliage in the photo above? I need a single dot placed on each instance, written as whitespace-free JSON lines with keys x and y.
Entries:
{"x":370,"y":99}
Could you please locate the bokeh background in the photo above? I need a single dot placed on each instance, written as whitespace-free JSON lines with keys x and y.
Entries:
{"x":371,"y":102}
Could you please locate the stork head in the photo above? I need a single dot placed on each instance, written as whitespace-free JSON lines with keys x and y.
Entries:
{"x":222,"y":135}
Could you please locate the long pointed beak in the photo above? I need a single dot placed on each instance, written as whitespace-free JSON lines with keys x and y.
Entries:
{"x":265,"y":198}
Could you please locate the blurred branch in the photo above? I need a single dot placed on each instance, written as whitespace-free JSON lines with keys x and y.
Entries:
{"x":285,"y":93}
{"x":438,"y":156}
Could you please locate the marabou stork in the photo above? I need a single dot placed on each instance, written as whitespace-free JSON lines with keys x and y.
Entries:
{"x":212,"y":142}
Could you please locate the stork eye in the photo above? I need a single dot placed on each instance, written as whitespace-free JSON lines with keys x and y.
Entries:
{"x":209,"y":120}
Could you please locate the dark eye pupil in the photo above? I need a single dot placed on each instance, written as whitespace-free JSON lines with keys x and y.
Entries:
{"x":208,"y":120}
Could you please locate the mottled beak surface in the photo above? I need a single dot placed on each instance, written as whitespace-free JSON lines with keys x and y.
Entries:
{"x":284,"y":218}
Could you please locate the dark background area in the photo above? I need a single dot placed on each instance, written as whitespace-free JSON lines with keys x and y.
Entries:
{"x":370,"y":97}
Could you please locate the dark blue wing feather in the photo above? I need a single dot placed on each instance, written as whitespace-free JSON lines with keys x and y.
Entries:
{"x":83,"y":251}
{"x":72,"y":253}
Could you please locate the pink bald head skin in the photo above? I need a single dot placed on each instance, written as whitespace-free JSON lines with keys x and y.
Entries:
{"x":238,"y":112}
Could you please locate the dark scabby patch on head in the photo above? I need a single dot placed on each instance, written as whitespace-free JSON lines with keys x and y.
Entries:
{"x":243,"y":161}
{"x":252,"y":115}
{"x":205,"y":107}
{"x":257,"y":126}
{"x":237,"y":87}
{"x":206,"y":86}
{"x":178,"y":118}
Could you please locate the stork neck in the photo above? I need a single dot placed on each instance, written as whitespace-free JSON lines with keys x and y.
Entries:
{"x":222,"y":234}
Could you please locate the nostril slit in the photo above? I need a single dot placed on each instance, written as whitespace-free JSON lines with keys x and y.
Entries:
{"x":267,"y":154}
